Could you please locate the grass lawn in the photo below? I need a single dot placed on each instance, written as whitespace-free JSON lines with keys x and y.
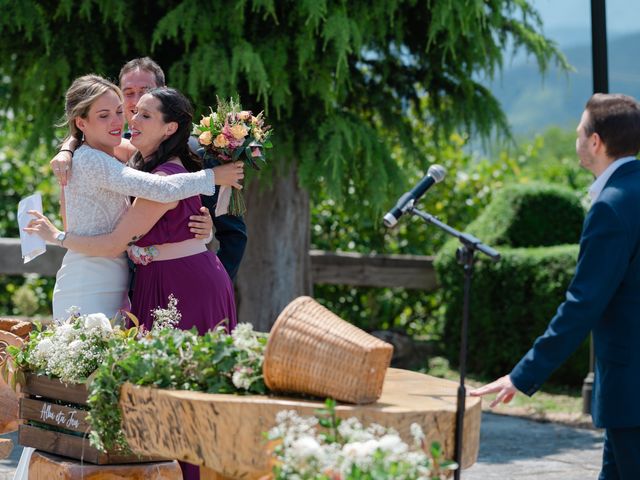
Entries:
{"x":552,"y":404}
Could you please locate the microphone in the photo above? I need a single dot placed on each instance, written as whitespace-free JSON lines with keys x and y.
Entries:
{"x":434,"y":175}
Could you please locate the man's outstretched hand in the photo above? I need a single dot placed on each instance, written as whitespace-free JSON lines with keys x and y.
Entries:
{"x":503,"y":387}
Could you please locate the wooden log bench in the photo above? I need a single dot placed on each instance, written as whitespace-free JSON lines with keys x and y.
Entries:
{"x":46,"y":466}
{"x":12,"y":333}
{"x":224,"y":433}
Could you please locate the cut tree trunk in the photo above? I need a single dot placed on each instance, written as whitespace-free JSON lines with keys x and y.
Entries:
{"x":276,"y":267}
{"x":225,"y":432}
{"x":10,"y":331}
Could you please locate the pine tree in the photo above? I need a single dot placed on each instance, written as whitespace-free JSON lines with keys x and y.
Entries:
{"x":340,"y":81}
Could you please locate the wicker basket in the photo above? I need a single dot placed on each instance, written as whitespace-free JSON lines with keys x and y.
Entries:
{"x":311,"y":350}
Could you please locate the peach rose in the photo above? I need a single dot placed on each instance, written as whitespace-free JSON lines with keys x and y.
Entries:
{"x":220,"y":141}
{"x":206,"y":121}
{"x":239,"y":131}
{"x":205,"y":138}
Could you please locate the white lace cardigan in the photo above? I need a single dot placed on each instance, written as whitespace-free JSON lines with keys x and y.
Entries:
{"x":98,"y":192}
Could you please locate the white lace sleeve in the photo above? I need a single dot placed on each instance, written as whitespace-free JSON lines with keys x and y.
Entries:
{"x":110,"y":174}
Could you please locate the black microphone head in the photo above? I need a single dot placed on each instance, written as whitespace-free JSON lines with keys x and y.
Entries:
{"x":437,"y":172}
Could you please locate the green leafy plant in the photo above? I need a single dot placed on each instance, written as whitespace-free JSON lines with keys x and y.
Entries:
{"x":216,"y":362}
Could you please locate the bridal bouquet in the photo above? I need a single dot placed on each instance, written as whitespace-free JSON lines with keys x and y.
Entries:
{"x":230,"y":134}
{"x":329,"y":448}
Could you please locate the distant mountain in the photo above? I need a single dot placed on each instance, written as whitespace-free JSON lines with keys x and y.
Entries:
{"x":533,"y":102}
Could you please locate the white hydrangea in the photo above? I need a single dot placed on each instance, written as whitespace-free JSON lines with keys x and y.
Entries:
{"x":99,"y":321}
{"x":305,"y":447}
{"x":393,"y":444}
{"x":45,"y":347}
{"x":244,"y":338}
{"x":241,"y":379}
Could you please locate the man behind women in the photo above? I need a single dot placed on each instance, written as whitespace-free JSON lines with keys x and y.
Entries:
{"x":604,"y":294}
{"x":136,"y":78}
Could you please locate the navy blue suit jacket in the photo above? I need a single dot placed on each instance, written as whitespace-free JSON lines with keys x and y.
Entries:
{"x":603,"y":297}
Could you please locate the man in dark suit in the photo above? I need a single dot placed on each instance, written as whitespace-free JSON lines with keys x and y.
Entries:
{"x":137,"y":77}
{"x":604,"y":295}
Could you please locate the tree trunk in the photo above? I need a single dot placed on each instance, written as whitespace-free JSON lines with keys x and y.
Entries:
{"x":276,"y":267}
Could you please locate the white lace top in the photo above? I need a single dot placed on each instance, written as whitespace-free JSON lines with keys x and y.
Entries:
{"x":97,"y":193}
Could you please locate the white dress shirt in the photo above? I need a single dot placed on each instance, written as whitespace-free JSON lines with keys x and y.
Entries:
{"x":596,"y":187}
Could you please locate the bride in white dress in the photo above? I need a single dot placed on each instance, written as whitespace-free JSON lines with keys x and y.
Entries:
{"x":97,"y":196}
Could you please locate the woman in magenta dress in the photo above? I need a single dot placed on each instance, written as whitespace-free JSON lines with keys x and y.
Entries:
{"x":198,"y":281}
{"x":181,"y":265}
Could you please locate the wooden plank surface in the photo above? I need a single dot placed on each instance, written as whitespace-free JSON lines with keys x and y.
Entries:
{"x":11,"y":262}
{"x":225,"y":432}
{"x":340,"y":268}
{"x":73,"y":446}
{"x":69,"y":418}
{"x":44,"y":466}
{"x":59,"y":443}
{"x":54,"y":389}
{"x":337,"y":268}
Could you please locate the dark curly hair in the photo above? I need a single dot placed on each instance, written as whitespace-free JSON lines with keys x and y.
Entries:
{"x":174,"y":107}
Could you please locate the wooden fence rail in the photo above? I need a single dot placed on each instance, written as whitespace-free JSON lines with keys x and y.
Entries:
{"x":336,"y":268}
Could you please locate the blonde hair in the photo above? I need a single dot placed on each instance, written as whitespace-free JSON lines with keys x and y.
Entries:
{"x":80,"y":96}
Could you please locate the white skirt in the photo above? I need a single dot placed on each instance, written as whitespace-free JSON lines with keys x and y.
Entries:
{"x":93,"y":284}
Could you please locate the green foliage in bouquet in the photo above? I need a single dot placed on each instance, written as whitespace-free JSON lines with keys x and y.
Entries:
{"x":216,"y":362}
{"x":326,"y":447}
{"x":514,"y":299}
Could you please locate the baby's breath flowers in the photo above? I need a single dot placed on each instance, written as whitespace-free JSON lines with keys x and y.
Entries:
{"x":69,"y":350}
{"x":347,"y":450}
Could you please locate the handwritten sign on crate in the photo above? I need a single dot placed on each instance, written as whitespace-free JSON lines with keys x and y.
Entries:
{"x":55,"y":416}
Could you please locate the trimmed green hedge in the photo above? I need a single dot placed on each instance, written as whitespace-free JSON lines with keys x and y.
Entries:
{"x":514,"y":299}
{"x":530,"y":215}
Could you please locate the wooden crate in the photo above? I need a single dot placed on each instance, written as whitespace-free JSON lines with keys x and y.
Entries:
{"x":45,"y":466}
{"x":60,"y":412}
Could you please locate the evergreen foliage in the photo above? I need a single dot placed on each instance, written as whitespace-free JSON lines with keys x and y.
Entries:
{"x":344,"y":81}
{"x":513,"y":300}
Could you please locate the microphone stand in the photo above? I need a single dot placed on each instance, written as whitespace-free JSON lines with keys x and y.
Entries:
{"x":465,"y":256}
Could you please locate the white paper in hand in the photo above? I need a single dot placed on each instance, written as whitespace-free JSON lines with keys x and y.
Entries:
{"x":32,"y":245}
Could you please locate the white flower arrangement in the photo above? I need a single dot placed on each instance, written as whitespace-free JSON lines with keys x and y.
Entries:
{"x":70,"y":350}
{"x":346,"y":450}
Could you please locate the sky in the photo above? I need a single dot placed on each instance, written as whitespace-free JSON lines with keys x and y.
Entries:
{"x":569,"y":21}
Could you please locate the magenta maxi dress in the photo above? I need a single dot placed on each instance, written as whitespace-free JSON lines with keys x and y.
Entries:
{"x":199,"y":282}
